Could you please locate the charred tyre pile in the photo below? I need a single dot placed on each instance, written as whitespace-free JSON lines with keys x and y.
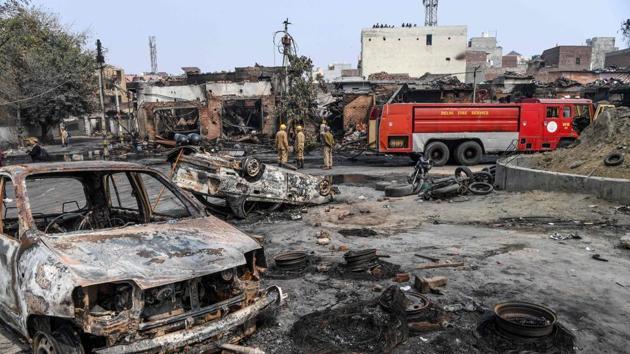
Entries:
{"x":364,"y":265}
{"x":289,"y":265}
{"x":366,"y":327}
{"x":524,"y":327}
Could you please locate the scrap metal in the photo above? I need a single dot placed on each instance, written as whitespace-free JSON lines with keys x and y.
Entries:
{"x":143,"y":287}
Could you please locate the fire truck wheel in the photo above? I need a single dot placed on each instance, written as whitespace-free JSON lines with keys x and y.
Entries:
{"x":438,"y":152}
{"x":399,"y":190}
{"x":614,"y":159}
{"x":468,"y":153}
{"x":480,"y":188}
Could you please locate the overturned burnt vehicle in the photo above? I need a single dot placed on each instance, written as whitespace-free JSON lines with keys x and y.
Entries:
{"x":111,"y":257}
{"x":245,"y":183}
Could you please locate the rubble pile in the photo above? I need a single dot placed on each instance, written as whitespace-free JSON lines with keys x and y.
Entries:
{"x":609,"y":134}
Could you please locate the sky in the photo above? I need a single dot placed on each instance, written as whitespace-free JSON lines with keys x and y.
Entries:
{"x":217,"y":35}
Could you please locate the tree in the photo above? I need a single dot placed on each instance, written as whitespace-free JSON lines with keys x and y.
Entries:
{"x":298,"y":104}
{"x":46,"y":74}
{"x":625,"y":30}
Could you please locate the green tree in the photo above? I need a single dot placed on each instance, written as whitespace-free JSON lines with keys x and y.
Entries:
{"x":625,"y":30}
{"x":46,"y":74}
{"x":298,"y":103}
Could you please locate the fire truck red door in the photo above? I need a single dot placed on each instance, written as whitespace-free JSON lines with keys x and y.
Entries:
{"x":551,"y":126}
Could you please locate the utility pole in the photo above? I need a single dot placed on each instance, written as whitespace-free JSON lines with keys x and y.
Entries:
{"x":100,"y":60}
{"x":287,"y":45}
{"x":475,"y":83}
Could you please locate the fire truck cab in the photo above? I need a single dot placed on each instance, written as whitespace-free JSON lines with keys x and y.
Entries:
{"x":465,"y":132}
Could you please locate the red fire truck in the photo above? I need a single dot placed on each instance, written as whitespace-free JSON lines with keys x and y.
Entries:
{"x":465,"y":132}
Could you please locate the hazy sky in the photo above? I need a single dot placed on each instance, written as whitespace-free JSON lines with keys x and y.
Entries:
{"x":219,"y":35}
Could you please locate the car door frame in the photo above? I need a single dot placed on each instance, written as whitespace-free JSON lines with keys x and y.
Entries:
{"x":9,"y":247}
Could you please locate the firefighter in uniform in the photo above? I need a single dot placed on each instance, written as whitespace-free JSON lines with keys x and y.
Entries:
{"x":322,"y":131}
{"x":299,"y":147}
{"x":329,"y":143}
{"x":282,"y":145}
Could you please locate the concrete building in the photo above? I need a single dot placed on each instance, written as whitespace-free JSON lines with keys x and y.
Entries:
{"x":333,"y":72}
{"x":476,"y":60}
{"x":601,"y":46}
{"x":568,"y":58}
{"x":618,"y":59}
{"x":489,"y":45}
{"x":414,"y":51}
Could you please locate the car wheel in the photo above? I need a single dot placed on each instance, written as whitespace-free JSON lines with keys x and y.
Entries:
{"x":438,"y":152}
{"x":469,"y":153}
{"x":399,"y":190}
{"x":64,"y":340}
{"x":252,"y":168}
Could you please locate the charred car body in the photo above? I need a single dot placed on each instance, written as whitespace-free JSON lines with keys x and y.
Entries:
{"x":113,"y":258}
{"x":245,"y":183}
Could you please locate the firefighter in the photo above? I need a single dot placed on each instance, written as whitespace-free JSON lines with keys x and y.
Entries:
{"x":282,"y":145}
{"x":299,"y":147}
{"x":322,"y":131}
{"x":329,"y":142}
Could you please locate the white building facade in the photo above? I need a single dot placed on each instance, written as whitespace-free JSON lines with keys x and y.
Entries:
{"x":414,"y":51}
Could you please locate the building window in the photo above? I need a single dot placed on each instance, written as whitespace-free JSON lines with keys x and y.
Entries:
{"x":429,"y":39}
{"x":578,"y":61}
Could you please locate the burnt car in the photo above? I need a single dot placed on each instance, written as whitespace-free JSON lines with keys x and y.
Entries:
{"x":245,"y":183}
{"x":111,"y":257}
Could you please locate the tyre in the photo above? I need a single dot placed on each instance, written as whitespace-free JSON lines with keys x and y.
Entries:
{"x":483,"y":177}
{"x":252,"y":169}
{"x":446,"y":191}
{"x":614,"y":159}
{"x":463,"y":172}
{"x":380,"y":186}
{"x":480,"y":188}
{"x":399,"y":190}
{"x":468,"y":153}
{"x":438,"y":152}
{"x":63,"y":340}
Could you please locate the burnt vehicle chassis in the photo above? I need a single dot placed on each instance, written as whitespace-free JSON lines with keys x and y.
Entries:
{"x":108,"y":279}
{"x":245,"y":183}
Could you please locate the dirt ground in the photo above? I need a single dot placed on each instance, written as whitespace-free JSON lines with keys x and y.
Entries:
{"x":503,"y":240}
{"x":610,"y":133}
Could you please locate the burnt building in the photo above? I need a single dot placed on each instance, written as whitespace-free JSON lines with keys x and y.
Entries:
{"x":568,"y":58}
{"x":618,"y":59}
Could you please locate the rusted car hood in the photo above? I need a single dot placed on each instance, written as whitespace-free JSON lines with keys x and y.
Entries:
{"x":154,"y":254}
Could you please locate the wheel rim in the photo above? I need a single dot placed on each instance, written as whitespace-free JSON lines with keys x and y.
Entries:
{"x":436,"y":155}
{"x":44,"y":345}
{"x":253,"y":167}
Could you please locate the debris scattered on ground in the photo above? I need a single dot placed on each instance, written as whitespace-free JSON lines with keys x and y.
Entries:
{"x":444,"y":264}
{"x":562,"y":237}
{"x":426,"y":285}
{"x":362,"y":232}
{"x":625,"y":241}
{"x":609,"y":134}
{"x":599,"y":258}
{"x":364,"y":327}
